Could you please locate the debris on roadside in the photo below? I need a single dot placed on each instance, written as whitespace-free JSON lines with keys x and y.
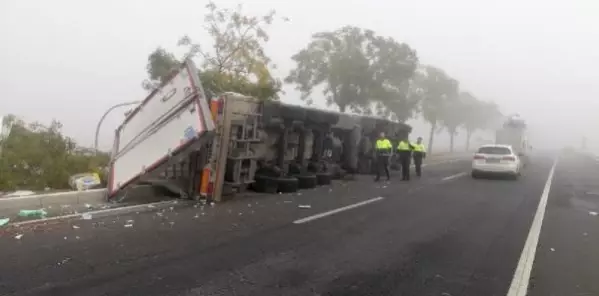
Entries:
{"x":65,"y":260}
{"x":88,"y":206}
{"x":18,"y":236}
{"x":33,"y":213}
{"x":593,"y":213}
{"x":76,"y":227}
{"x":304,"y":206}
{"x":86,"y":216}
{"x":552,"y":250}
{"x":4,"y":221}
{"x":128,"y":225}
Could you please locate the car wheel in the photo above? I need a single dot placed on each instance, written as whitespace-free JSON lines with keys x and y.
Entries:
{"x":324,"y":178}
{"x":515,"y":176}
{"x":287,"y":185}
{"x":475,"y":175}
{"x":307,"y":181}
{"x":265,"y":184}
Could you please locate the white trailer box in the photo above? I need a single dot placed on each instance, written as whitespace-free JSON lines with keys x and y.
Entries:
{"x":170,"y":123}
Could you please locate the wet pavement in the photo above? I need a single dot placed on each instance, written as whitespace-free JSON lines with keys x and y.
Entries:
{"x":443,"y":234}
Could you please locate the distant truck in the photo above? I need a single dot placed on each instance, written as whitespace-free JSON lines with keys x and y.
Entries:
{"x":514,"y":133}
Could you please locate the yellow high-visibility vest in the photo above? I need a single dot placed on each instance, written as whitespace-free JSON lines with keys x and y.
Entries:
{"x":419,"y":147}
{"x":403,"y":146}
{"x":383,"y":144}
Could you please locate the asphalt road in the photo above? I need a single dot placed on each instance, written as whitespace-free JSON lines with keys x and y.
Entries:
{"x":444,"y":235}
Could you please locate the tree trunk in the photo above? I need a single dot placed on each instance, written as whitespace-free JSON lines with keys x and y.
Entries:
{"x":431,"y":136}
{"x":451,"y":138}
{"x":468,"y":136}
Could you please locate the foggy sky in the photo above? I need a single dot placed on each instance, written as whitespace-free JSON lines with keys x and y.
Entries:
{"x":71,"y":60}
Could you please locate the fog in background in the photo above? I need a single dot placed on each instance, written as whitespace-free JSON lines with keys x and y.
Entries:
{"x":71,"y":60}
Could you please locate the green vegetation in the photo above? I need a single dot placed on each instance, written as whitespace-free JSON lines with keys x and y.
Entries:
{"x":38,"y":157}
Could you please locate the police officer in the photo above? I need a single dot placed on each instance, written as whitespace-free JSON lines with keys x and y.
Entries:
{"x":383,"y":149}
{"x":419,"y":154}
{"x":404,"y":149}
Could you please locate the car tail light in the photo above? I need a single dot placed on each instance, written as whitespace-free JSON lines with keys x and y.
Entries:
{"x":479,"y":156}
{"x":509,"y":158}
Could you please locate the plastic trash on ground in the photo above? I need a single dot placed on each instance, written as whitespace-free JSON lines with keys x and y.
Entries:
{"x":33,"y":213}
{"x":4,"y":221}
{"x":304,"y":206}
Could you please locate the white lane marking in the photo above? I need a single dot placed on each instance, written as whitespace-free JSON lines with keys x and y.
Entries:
{"x":454,"y":176}
{"x":519,"y":286}
{"x":335,"y":211}
{"x":96,"y":213}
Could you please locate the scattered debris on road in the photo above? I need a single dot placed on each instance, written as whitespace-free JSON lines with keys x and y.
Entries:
{"x":86,"y":216}
{"x":18,"y":236}
{"x":65,"y":260}
{"x":41,"y":213}
{"x":593,"y":213}
{"x":4,"y":221}
{"x":304,"y":206}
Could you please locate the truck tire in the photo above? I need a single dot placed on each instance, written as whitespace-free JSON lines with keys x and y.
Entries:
{"x":265,"y":184}
{"x":287,"y":185}
{"x":307,"y":181}
{"x":324,"y":178}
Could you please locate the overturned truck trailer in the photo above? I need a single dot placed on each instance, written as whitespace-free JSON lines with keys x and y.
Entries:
{"x":163,"y":136}
{"x":269,"y":146}
{"x":182,"y":144}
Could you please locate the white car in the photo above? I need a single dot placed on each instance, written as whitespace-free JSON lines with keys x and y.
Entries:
{"x":496,"y":159}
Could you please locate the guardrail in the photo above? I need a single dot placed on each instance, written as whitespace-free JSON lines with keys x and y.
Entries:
{"x":11,"y":205}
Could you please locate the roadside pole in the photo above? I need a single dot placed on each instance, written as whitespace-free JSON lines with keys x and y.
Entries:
{"x":104,"y":116}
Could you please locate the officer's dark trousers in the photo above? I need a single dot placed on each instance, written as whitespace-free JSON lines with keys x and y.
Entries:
{"x":404,"y":159}
{"x":418,"y":156}
{"x":382,"y":163}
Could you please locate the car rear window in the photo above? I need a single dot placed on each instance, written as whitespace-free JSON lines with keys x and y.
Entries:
{"x":494,"y":150}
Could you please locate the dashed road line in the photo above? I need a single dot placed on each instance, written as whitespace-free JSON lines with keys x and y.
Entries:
{"x":519,"y":285}
{"x":454,"y":176}
{"x":335,"y":211}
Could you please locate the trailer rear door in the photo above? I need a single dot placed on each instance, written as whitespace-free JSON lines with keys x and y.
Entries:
{"x":170,"y":123}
